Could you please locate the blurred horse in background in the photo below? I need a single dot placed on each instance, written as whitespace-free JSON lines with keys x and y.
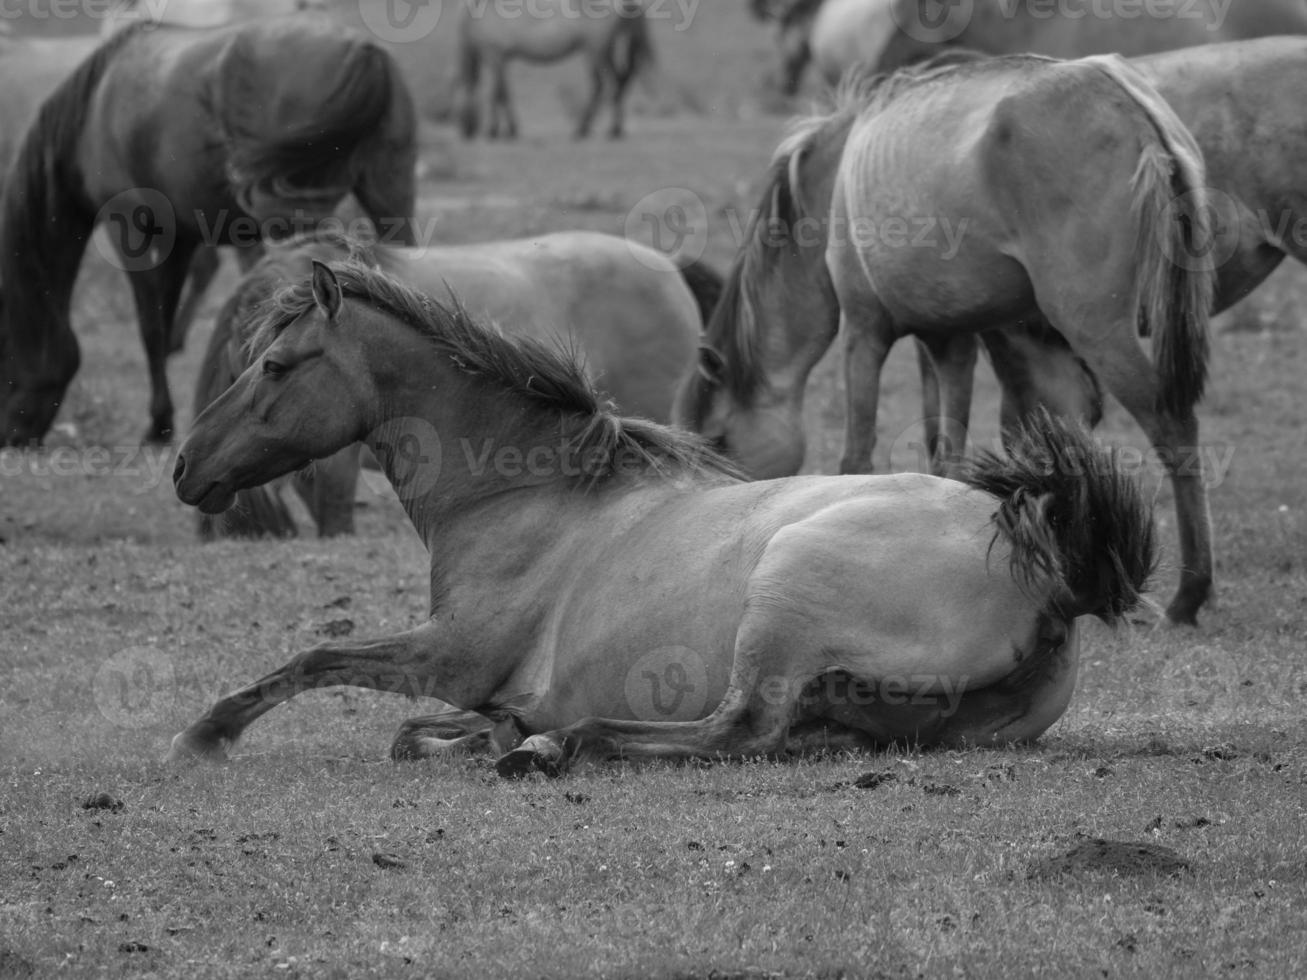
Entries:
{"x":997,"y":27}
{"x":612,"y":34}
{"x":626,"y":310}
{"x":176,"y":137}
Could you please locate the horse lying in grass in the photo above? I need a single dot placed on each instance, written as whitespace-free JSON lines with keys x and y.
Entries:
{"x":1240,"y":103}
{"x":172,"y":138}
{"x":627,"y":310}
{"x":568,"y":597}
{"x":941,"y":202}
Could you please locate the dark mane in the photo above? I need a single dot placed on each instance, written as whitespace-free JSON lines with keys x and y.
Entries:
{"x":316,"y":153}
{"x":549,"y":378}
{"x":46,"y":220}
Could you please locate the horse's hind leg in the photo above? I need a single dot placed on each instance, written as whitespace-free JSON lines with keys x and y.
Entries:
{"x":157,"y":291}
{"x":600,"y":72}
{"x":1128,"y":374}
{"x":502,"y":104}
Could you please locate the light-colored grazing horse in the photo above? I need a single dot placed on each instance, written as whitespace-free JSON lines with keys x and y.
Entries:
{"x":1241,"y":102}
{"x":631,"y":315}
{"x":944,"y":202}
{"x":1075,"y":28}
{"x":612,"y":34}
{"x":625,"y":594}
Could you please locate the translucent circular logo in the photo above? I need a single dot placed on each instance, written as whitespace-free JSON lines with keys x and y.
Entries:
{"x":401,"y":21}
{"x":135,"y":688}
{"x":141,"y":229}
{"x":1200,"y":227}
{"x":668,"y":684}
{"x":933,"y":21}
{"x":409,"y":453}
{"x":674,"y":221}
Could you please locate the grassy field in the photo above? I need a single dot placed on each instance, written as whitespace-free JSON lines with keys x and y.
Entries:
{"x":310,"y":855}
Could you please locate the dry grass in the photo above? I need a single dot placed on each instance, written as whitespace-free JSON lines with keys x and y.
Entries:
{"x":118,"y":629}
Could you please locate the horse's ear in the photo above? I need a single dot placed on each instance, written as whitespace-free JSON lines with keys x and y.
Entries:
{"x":326,"y":289}
{"x":712,"y":366}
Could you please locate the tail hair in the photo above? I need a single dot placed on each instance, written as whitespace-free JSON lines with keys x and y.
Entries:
{"x":1080,"y":531}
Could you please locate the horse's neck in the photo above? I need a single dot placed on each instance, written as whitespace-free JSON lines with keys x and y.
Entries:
{"x":455,"y":442}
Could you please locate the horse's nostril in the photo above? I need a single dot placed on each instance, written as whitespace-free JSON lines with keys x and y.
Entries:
{"x":179,"y":469}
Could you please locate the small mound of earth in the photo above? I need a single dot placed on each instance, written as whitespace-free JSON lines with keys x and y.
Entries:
{"x":1113,"y":857}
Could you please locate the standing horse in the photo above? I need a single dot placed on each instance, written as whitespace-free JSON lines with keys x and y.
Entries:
{"x":561,"y":592}
{"x":30,"y":70}
{"x":176,"y":137}
{"x":997,"y":27}
{"x":934,"y":205}
{"x":626,"y":309}
{"x":1240,"y":103}
{"x":612,"y":34}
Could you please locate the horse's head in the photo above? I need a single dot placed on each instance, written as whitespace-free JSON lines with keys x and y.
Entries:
{"x":761,"y":432}
{"x":302,"y":399}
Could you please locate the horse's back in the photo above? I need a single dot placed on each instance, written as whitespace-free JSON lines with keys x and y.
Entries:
{"x":552,"y":31}
{"x":978,"y":169}
{"x":895,"y":571}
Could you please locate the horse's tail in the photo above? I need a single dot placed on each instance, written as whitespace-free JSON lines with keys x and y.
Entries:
{"x":260,"y":512}
{"x":1079,"y":529}
{"x":1177,"y":274}
{"x":706,"y":284}
{"x":467,"y":104}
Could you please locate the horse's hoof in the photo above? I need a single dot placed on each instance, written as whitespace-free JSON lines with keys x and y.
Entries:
{"x":188,"y":748}
{"x":536,"y":754}
{"x":159,"y":434}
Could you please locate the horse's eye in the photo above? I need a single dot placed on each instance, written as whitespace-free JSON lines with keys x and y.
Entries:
{"x":273,"y":369}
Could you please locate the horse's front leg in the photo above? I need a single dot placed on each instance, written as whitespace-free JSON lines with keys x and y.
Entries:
{"x":408,"y":663}
{"x":204,"y":268}
{"x":955,"y":365}
{"x":157,"y":290}
{"x":866,"y":345}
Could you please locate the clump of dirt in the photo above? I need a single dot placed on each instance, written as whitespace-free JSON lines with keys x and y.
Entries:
{"x":1112,"y":857}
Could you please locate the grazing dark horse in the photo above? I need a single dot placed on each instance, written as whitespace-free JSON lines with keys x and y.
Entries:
{"x":612,"y":34}
{"x":1240,"y":102}
{"x":932,"y":204}
{"x":32,"y":68}
{"x":177,"y":137}
{"x":627,"y":310}
{"x":794,"y":20}
{"x":563,"y":593}
{"x":1000,"y":27}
